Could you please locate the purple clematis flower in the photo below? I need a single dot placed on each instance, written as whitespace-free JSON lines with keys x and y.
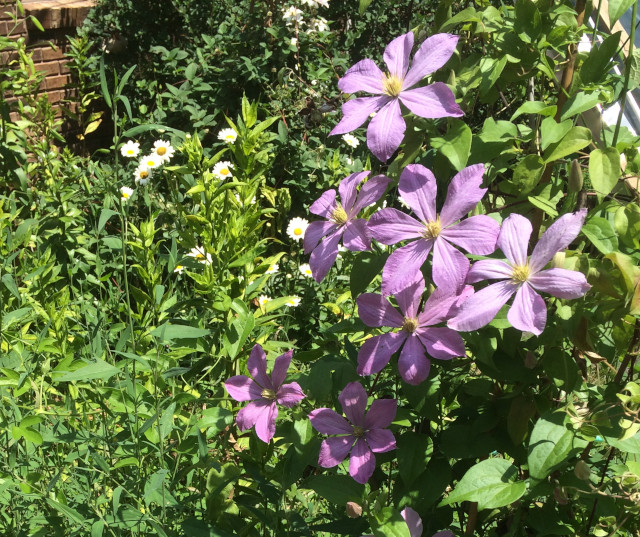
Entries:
{"x":417,"y":332}
{"x":522,"y":276}
{"x":418,"y":189}
{"x":341,"y":221}
{"x":263,"y":392}
{"x":386,"y":129}
{"x":362,"y":435}
{"x":414,"y":523}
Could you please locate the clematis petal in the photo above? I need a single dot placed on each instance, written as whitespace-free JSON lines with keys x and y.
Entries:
{"x":327,"y":421}
{"x":386,"y":131}
{"x":381,"y":413}
{"x":438,"y":306}
{"x":353,"y":399}
{"x":514,"y":238}
{"x":248,"y":416}
{"x":560,"y":282}
{"x":557,"y":237}
{"x":370,"y":193}
{"x":463,"y":194}
{"x":280,"y":367}
{"x":357,"y":236}
{"x":434,"y":52}
{"x":489,"y":269}
{"x":528,"y":311}
{"x":349,"y":189}
{"x":242,"y":388}
{"x":433,"y":101}
{"x":324,"y":255}
{"x":441,"y":342}
{"x":290,"y":394}
{"x":413,"y":364}
{"x":363,"y":76}
{"x":334,"y":450}
{"x":480,"y":309}
{"x":356,"y":111}
{"x":380,"y":440}
{"x":325,"y":204}
{"x":414,"y":522}
{"x":375,"y":310}
{"x":266,"y":423}
{"x":257,"y":366}
{"x":477,"y":235}
{"x":362,"y":462}
{"x":408,"y":298}
{"x":403,"y":266}
{"x":376,"y":352}
{"x":450,"y":266}
{"x":418,"y":188}
{"x":315,"y":231}
{"x":389,"y":226}
{"x":397,"y":53}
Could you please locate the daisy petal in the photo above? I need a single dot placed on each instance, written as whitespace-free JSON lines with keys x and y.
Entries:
{"x":514,"y":238}
{"x":528,"y":311}
{"x":325,"y":204}
{"x":403,"y":266}
{"x":557,"y":237}
{"x":413,"y":364}
{"x":480,"y":309}
{"x":463,"y":194}
{"x":450,"y":266}
{"x":386,"y":131}
{"x":353,"y":400}
{"x":441,"y":342}
{"x":257,"y":366}
{"x":280,"y":367}
{"x":327,"y":421}
{"x":418,"y":188}
{"x":362,"y":462}
{"x":389,"y":226}
{"x":560,"y":282}
{"x":380,"y":440}
{"x":356,"y":111}
{"x":334,"y":450}
{"x":434,"y":52}
{"x":357,"y":236}
{"x":376,"y":352}
{"x":477,"y":235}
{"x":375,"y":310}
{"x":242,"y":388}
{"x":381,"y":413}
{"x":397,"y":53}
{"x":433,"y":101}
{"x":363,"y":76}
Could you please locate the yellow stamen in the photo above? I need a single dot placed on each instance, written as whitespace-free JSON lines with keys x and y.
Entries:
{"x":521,"y":273}
{"x":410,"y":324}
{"x":433,"y":229}
{"x":297,"y":231}
{"x":161,"y":150}
{"x":359,"y":431}
{"x":339,"y":216}
{"x":268,"y":394}
{"x":144,"y":175}
{"x":392,"y":85}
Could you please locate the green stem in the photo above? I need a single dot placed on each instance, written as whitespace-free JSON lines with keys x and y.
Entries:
{"x":627,"y":73}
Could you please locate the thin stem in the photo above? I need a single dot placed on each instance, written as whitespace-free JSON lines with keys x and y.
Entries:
{"x":631,"y":351}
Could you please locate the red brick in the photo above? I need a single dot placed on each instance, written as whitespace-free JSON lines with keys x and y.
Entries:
{"x":49,"y":68}
{"x":49,"y":53}
{"x":56,"y":82}
{"x":55,"y":96}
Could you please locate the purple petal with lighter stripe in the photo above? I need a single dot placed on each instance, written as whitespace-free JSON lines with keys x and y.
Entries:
{"x":433,"y":53}
{"x":376,"y":352}
{"x":418,"y":188}
{"x":528,"y":311}
{"x":334,"y":450}
{"x":327,"y":421}
{"x":386,"y":131}
{"x":363,"y":76}
{"x":433,"y":101}
{"x":356,"y":111}
{"x":362,"y":462}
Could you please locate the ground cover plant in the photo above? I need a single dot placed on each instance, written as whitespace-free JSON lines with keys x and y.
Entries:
{"x":309,"y":269}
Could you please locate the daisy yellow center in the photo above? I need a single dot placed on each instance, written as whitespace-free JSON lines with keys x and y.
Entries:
{"x":179,"y":267}
{"x":161,"y":150}
{"x":230,"y":137}
{"x":410,"y":324}
{"x":144,"y":175}
{"x":359,"y":431}
{"x":126,"y":195}
{"x":392,"y":85}
{"x":151,"y":163}
{"x":224,"y":171}
{"x":268,"y":394}
{"x":339,"y":216}
{"x":130,"y":151}
{"x":199,"y":256}
{"x":521,"y":273}
{"x":297,"y":231}
{"x":307,"y":271}
{"x":432,"y":229}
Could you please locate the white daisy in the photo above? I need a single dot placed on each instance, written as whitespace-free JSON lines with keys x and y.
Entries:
{"x":222,"y":170}
{"x":227,"y":135}
{"x":297,"y":227}
{"x":125,"y":193}
{"x":163,"y":150}
{"x":151,"y":161}
{"x":291,"y":15}
{"x":351,"y":140}
{"x":320,"y":24}
{"x":200,"y":255}
{"x":263,"y":300}
{"x":130,"y":149}
{"x":305,"y":269}
{"x":179,"y":269}
{"x":293,"y":301}
{"x":142,"y":174}
{"x":272,"y":269}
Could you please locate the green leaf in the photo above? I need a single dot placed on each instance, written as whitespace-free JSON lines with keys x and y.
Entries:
{"x":466,"y":15}
{"x":338,"y":489}
{"x":535,"y":107}
{"x":365,"y":268}
{"x":492,"y":483}
{"x":105,"y":214}
{"x":635,"y":67}
{"x":455,"y":144}
{"x":169,"y":332}
{"x":580,"y":102}
{"x":597,"y":63}
{"x":134,"y":131}
{"x":389,"y":523}
{"x":601,"y":234}
{"x":215,"y":418}
{"x":577,"y":138}
{"x":604,"y":169}
{"x":10,"y":284}
{"x":617,"y":8}
{"x":527,"y":21}
{"x":94,"y":370}
{"x":551,"y":444}
{"x":103,"y":84}
{"x":67,"y":511}
{"x":412,"y":456}
{"x":364,"y":4}
{"x":551,"y":131}
{"x":527,"y":173}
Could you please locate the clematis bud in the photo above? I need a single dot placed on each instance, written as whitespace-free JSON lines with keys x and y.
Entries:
{"x":582,"y":471}
{"x":354,"y":510}
{"x":575,"y":176}
{"x":623,"y":161}
{"x":530,"y":360}
{"x":558,"y":260}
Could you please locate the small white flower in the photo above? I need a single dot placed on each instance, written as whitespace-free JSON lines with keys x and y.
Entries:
{"x":349,"y":161}
{"x":316,"y":3}
{"x":163,"y":150}
{"x":293,"y":301}
{"x":222,"y":170}
{"x":320,"y":24}
{"x":130,"y":149}
{"x":179,"y":269}
{"x":125,"y":193}
{"x":227,"y":135}
{"x":351,"y":140}
{"x":314,"y":82}
{"x":294,"y":41}
{"x":151,"y":161}
{"x":291,"y":15}
{"x":305,"y":269}
{"x":199,"y":254}
{"x":297,"y":228}
{"x":239,"y":199}
{"x":263,"y":300}
{"x":272,"y":269}
{"x":142,"y":174}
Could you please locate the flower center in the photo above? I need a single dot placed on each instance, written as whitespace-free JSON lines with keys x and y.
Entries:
{"x":392,"y":85}
{"x":144,"y":175}
{"x":161,"y":150}
{"x":297,"y":231}
{"x":359,"y":431}
{"x":130,"y":151}
{"x":224,"y":171}
{"x":339,"y":216}
{"x":410,"y":324}
{"x":268,"y":394}
{"x":432,"y":229}
{"x":151,"y":163}
{"x":521,"y":273}
{"x":126,"y":195}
